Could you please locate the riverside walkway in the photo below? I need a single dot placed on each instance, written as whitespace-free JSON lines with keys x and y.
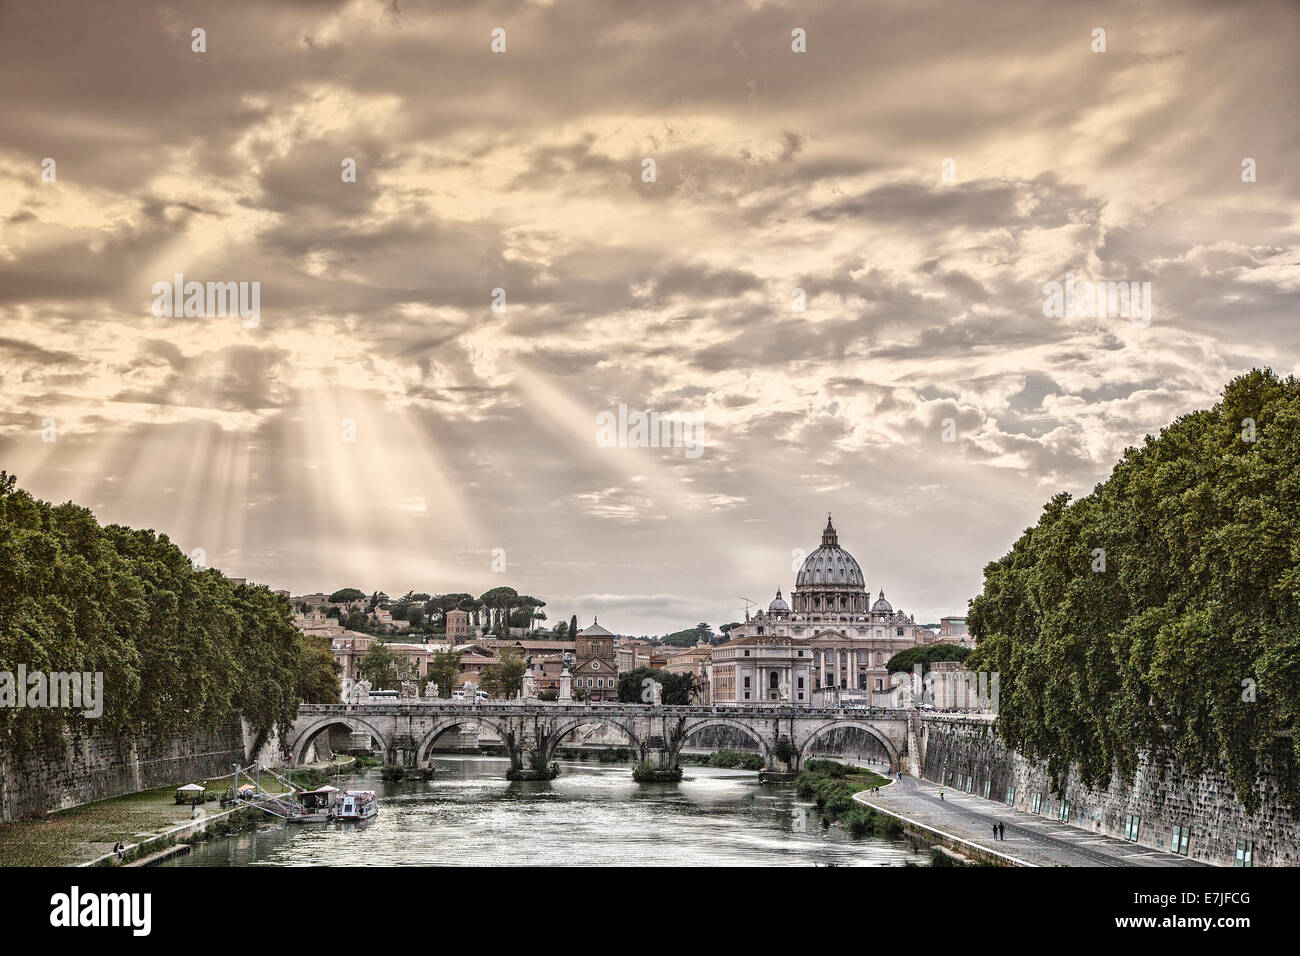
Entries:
{"x":1030,"y":839}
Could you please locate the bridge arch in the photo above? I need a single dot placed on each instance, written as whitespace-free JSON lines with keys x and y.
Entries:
{"x":353,"y":723}
{"x":567,"y":727}
{"x":840,"y":724}
{"x":747,"y":728}
{"x":449,"y":723}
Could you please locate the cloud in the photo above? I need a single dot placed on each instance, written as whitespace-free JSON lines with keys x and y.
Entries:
{"x":475,"y":428}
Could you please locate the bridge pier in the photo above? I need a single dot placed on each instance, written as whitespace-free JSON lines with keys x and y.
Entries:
{"x":658,"y":762}
{"x":529,"y":764}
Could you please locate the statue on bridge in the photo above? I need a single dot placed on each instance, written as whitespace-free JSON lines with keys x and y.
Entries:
{"x":566,"y":687}
{"x":529,"y":691}
{"x":410,"y":689}
{"x":431,"y":691}
{"x":361,"y":692}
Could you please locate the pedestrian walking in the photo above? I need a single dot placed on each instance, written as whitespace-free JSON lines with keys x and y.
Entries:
{"x":995,"y":831}
{"x":941,"y":793}
{"x":1002,"y":831}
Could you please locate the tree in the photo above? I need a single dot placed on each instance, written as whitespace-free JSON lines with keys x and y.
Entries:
{"x":379,"y":665}
{"x":1158,"y":613}
{"x":501,"y":599}
{"x":356,"y":621}
{"x":925,"y":655}
{"x":573,"y":627}
{"x":505,"y":678}
{"x":443,"y":670}
{"x":181,"y":649}
{"x":690,"y":637}
{"x":347,"y":595}
{"x":318,"y":672}
{"x":678,"y":689}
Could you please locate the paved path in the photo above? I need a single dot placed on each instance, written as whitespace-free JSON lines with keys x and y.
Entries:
{"x":1031,"y":838}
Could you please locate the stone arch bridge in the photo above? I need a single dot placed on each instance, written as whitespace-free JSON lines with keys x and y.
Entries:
{"x":532,"y":732}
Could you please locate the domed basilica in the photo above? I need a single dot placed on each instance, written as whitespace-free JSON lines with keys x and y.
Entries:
{"x":829,"y":638}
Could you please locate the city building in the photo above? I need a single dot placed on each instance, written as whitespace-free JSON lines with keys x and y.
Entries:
{"x":458,"y":627}
{"x":630,"y":654}
{"x":595,"y":670}
{"x":831,"y":616}
{"x":759,"y":669}
{"x":694,"y":661}
{"x":953,"y":630}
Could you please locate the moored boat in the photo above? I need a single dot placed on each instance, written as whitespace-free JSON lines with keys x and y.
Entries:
{"x":356,"y":805}
{"x":317,"y":805}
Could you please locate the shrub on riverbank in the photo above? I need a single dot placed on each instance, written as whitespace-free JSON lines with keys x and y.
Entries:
{"x":831,"y":786}
{"x":734,"y":759}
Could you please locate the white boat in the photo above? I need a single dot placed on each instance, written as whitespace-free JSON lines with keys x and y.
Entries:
{"x":356,"y":805}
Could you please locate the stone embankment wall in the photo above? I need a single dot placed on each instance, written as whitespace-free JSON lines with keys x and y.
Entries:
{"x":95,"y":766}
{"x":1162,"y":796}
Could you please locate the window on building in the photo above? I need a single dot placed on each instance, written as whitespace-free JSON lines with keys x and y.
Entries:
{"x":970,"y":782}
{"x":988,"y":785}
{"x":801,"y":684}
{"x":1036,"y":803}
{"x":1132,"y":824}
{"x":1064,"y":814}
{"x":746,"y":695}
{"x":747,"y":682}
{"x":900,"y":632}
{"x":746,"y":652}
{"x":1245,"y":853}
{"x":771,"y":681}
{"x":1011,"y":796}
{"x":1178,"y":840}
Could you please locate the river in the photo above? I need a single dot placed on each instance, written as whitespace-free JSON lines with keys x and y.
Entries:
{"x":592,"y":814}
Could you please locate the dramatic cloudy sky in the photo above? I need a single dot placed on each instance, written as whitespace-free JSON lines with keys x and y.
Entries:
{"x":776,"y":170}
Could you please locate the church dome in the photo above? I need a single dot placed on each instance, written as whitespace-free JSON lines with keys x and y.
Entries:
{"x":830,"y":564}
{"x":882,"y":605}
{"x":778,"y":603}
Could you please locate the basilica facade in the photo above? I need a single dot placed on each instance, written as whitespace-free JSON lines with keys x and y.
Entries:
{"x":845,"y":637}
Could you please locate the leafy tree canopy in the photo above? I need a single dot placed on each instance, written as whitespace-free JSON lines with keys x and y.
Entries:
{"x":677,"y":688}
{"x":181,"y":648}
{"x":925,"y":655}
{"x":1162,"y":612}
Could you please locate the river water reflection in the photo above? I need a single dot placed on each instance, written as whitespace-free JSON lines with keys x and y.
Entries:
{"x":591,"y":814}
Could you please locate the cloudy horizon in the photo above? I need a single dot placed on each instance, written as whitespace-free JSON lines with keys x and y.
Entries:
{"x":921,"y":173}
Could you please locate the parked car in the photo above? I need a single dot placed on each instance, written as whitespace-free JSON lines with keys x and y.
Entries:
{"x":458,"y":695}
